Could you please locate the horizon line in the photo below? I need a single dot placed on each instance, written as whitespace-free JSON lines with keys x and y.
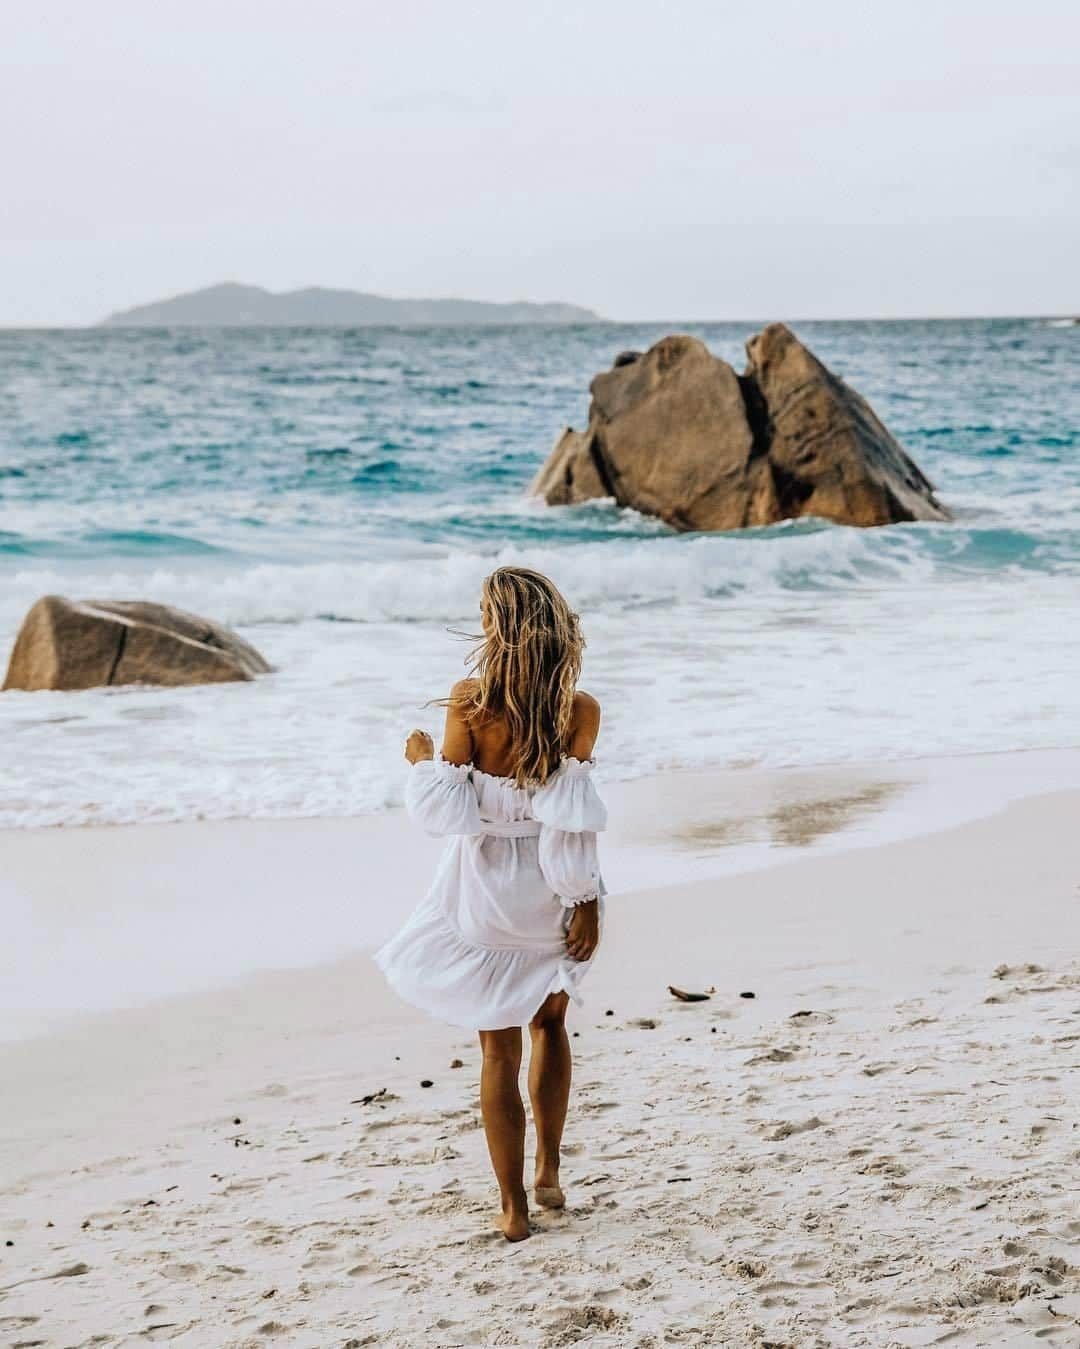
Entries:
{"x":99,"y":324}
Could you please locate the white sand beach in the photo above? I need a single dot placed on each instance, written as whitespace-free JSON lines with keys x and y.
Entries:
{"x":879,"y":1148}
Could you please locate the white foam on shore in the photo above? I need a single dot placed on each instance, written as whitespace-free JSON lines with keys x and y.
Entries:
{"x":780,"y":679}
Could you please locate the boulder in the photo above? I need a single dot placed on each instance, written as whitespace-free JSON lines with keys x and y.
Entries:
{"x":678,"y":434}
{"x":570,"y":473}
{"x":63,"y":644}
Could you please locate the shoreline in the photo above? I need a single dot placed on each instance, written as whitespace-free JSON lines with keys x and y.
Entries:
{"x":873,"y":1150}
{"x":173,"y":908}
{"x":674,"y":774}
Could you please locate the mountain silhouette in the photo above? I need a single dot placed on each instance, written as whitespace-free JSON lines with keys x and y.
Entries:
{"x":231,"y":305}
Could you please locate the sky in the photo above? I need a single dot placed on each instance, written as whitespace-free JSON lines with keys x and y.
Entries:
{"x":696,"y":159}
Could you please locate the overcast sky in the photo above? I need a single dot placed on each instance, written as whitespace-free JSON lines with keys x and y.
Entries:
{"x":690,"y":159}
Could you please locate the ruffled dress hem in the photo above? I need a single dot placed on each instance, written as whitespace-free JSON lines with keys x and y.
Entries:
{"x":416,"y":981}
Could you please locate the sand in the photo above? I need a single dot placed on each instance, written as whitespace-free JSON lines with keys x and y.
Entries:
{"x":880,"y":1148}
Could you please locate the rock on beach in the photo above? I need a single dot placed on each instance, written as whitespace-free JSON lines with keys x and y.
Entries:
{"x":65,"y":644}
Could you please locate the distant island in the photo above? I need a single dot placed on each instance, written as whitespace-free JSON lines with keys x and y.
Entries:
{"x":232,"y":305}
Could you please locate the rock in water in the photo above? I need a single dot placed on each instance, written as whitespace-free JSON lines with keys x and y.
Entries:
{"x":678,"y":434}
{"x":830,"y":455}
{"x":67,"y":645}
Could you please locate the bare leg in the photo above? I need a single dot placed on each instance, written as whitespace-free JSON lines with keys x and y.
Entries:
{"x":549,"y":1091}
{"x":504,"y":1126}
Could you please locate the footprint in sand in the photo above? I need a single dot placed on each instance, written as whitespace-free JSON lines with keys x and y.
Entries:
{"x":778,"y":1054}
{"x":786,"y":1128}
{"x":1016,"y":971}
{"x":1053,"y":1268}
{"x":876,"y":1069}
{"x":243,"y":1186}
{"x":745,"y":1269}
{"x":567,"y":1325}
{"x":809,"y":1018}
{"x":178,"y":1269}
{"x":68,"y":1272}
{"x":166,"y":1330}
{"x":882,"y":1166}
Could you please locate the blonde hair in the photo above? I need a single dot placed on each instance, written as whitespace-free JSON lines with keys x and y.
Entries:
{"x":526,"y":669}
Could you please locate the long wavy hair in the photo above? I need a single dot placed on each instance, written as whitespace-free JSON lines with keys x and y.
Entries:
{"x":525,"y":669}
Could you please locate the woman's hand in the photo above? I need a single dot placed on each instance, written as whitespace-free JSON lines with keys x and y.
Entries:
{"x":583,"y":934}
{"x":419,"y":746}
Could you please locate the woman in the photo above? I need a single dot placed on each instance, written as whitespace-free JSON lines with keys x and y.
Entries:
{"x":511,"y":922}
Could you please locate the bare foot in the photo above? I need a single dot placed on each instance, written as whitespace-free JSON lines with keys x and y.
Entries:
{"x":513,"y":1221}
{"x":547,"y":1190}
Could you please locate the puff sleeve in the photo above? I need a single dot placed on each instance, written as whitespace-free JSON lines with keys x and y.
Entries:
{"x":441,"y":798}
{"x":571,"y":814}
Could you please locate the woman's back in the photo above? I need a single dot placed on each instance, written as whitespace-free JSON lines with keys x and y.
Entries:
{"x":487,"y":742}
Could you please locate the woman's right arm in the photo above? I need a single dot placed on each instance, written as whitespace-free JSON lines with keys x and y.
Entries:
{"x":571,"y":812}
{"x":439,"y":793}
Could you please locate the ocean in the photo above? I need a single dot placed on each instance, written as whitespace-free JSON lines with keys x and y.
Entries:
{"x":337,"y":496}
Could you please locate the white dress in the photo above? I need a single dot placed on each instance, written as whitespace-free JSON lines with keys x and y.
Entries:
{"x":487,"y":944}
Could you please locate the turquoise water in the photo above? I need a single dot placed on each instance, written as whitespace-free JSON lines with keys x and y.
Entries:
{"x":339,"y":494}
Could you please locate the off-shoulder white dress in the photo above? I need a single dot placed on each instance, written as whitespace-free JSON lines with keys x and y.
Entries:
{"x":487,"y":944}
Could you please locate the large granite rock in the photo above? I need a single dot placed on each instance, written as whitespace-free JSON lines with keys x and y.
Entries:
{"x":678,"y":434}
{"x":67,"y":645}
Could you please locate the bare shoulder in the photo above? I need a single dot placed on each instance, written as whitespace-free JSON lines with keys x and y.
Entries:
{"x":457,"y":734}
{"x":460,"y":701}
{"x":586,"y":709}
{"x":585,"y":725}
